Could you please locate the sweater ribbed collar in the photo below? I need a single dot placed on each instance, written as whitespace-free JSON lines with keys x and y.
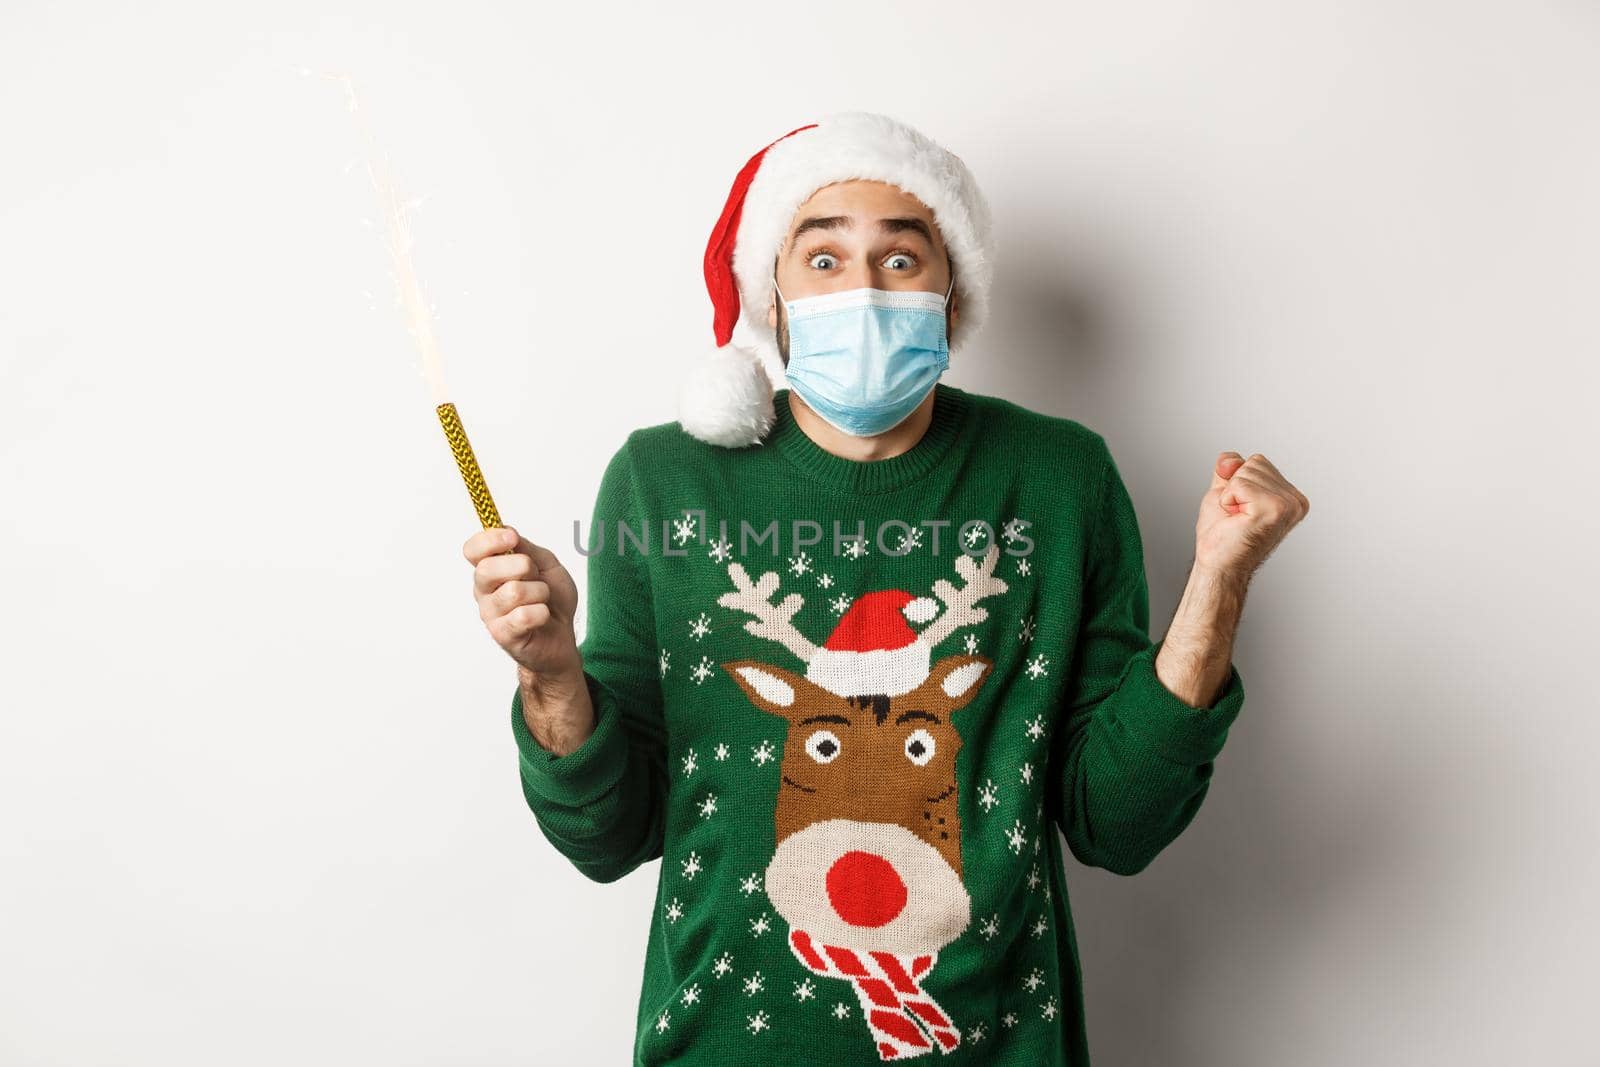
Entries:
{"x":952,"y":408}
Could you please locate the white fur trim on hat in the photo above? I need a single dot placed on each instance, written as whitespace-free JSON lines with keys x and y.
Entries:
{"x":891,"y":671}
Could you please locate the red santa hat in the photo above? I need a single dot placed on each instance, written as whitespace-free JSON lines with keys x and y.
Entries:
{"x":872,"y":649}
{"x":726,"y":398}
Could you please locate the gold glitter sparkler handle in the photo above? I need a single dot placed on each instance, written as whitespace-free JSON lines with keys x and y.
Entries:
{"x":476,"y":486}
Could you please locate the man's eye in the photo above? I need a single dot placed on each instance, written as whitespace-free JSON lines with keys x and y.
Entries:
{"x":902,"y":255}
{"x":826,"y":256}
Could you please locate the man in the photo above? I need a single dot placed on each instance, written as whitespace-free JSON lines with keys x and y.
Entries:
{"x":863,"y":643}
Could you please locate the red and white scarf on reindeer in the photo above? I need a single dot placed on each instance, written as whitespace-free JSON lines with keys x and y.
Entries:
{"x":898,"y":1010}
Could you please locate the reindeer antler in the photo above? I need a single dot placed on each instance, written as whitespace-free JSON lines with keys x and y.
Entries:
{"x":961,"y":605}
{"x":772,"y":621}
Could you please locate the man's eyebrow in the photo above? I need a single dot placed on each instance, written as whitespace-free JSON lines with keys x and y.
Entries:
{"x":909,"y":224}
{"x":901,"y":224}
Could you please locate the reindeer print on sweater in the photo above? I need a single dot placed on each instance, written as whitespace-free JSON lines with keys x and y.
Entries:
{"x":867,"y":870}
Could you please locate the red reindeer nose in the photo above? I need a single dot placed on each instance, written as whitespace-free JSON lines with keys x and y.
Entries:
{"x":865,"y":890}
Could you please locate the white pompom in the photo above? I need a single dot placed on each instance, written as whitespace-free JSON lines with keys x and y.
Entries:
{"x":922,"y":609}
{"x":726,"y":399}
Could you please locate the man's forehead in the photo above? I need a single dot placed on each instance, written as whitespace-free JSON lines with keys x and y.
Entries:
{"x":885,"y":207}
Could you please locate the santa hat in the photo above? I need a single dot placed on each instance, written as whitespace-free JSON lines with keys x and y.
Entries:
{"x":872,"y":650}
{"x":726,"y":399}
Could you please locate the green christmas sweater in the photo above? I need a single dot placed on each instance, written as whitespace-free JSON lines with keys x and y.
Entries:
{"x":845,"y":703}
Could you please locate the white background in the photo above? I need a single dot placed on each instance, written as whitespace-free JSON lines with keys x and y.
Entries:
{"x":258,"y":792}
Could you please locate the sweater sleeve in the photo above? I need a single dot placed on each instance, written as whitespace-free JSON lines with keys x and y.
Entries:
{"x":602,"y":805}
{"x":1132,"y":762}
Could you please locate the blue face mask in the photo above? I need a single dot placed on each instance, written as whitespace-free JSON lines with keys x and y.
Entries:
{"x":864,"y":359}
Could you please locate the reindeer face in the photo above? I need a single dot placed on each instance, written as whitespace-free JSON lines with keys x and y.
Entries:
{"x":868,"y":824}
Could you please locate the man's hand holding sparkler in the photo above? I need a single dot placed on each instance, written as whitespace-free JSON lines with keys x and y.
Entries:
{"x":528,"y":601}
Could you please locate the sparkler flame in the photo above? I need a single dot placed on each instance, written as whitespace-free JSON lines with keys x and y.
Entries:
{"x":418,"y":311}
{"x":397,"y":225}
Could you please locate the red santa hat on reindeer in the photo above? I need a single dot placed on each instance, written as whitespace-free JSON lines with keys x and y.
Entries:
{"x":726,"y":399}
{"x":873,"y":648}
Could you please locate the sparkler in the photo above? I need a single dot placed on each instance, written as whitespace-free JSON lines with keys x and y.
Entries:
{"x":419,"y":321}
